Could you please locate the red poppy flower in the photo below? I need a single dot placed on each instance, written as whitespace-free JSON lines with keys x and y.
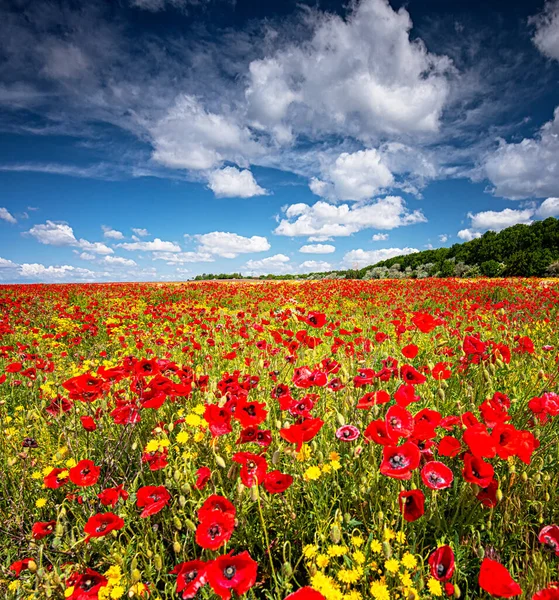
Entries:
{"x":54,"y":480}
{"x":215,"y":530}
{"x":410,"y":351}
{"x":441,"y":562}
{"x":488,"y":495}
{"x":305,"y":593}
{"x":218,"y":419}
{"x":152,"y":498}
{"x":203,"y":475}
{"x":156,"y":460}
{"x":473,"y":345}
{"x":277,"y":482}
{"x":215,"y":504}
{"x":399,"y":461}
{"x":228,"y":572}
{"x":86,"y":585}
{"x":373,"y":398}
{"x":495,"y":579}
{"x":42,"y":528}
{"x":315,"y":319}
{"x":58,"y":406}
{"x":102,"y":523}
{"x":412,"y":504}
{"x":549,"y":593}
{"x":20,"y":565}
{"x":253,"y":469}
{"x":191,"y":576}
{"x":85,"y":473}
{"x":436,"y":475}
{"x":347,"y":433}
{"x":477,"y":471}
{"x":449,"y":446}
{"x":88,"y":423}
{"x":110,"y":496}
{"x":399,"y":423}
{"x":250,"y":413}
{"x":549,"y":536}
{"x":479,"y":441}
{"x":411,"y":376}
{"x":302,"y":432}
{"x":425,"y":322}
{"x":126,"y":414}
{"x":405,"y":395}
{"x":376,"y":432}
{"x":441,"y":371}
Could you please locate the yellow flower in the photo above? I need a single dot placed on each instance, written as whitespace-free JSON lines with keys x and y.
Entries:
{"x":38,"y":474}
{"x":357,"y":541}
{"x":182,"y":437}
{"x":326,"y":468}
{"x":335,"y":464}
{"x":304,"y":454}
{"x":392,"y":565}
{"x":312,"y":473}
{"x":71,"y":463}
{"x":310,"y":550}
{"x":348,"y":575}
{"x":358,"y":557}
{"x":405,"y":578}
{"x":117,"y":592}
{"x":337,"y":550}
{"x":376,"y":547}
{"x":409,"y":561}
{"x":334,"y":456}
{"x":152,"y":446}
{"x":322,"y":561}
{"x":69,"y":591}
{"x":198,"y":436}
{"x":40,"y":502}
{"x":199,"y":409}
{"x":389,"y":534}
{"x":411,"y":593}
{"x":113,"y":574}
{"x":353,"y":595}
{"x":379,"y":591}
{"x":13,"y":585}
{"x":193,"y":420}
{"x":401,"y":537}
{"x":434,"y":587}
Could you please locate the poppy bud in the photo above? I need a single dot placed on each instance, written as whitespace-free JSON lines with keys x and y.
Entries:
{"x":499,"y":363}
{"x":219,"y":461}
{"x":387,"y":549}
{"x":335,"y":534}
{"x":59,"y":530}
{"x":254,"y":493}
{"x":158,"y":562}
{"x":547,"y":497}
{"x":441,"y":394}
{"x":499,"y":494}
{"x":357,"y":451}
{"x":340,"y":418}
{"x":135,"y":446}
{"x":380,"y":515}
{"x":457,"y":592}
{"x":486,"y":376}
{"x":177,"y":522}
{"x":489,"y":525}
{"x":232,"y":473}
{"x":182,"y":501}
{"x":312,"y":570}
{"x":171,"y":426}
{"x":136,"y":575}
{"x":149,"y":553}
{"x":177,"y":475}
{"x":320,"y":456}
{"x":176,"y":547}
{"x":492,"y":369}
{"x":347,"y":518}
{"x":287,"y":570}
{"x":541,"y":374}
{"x":190,"y":524}
{"x":185,"y":488}
{"x":524,"y":476}
{"x":276,"y":457}
{"x":32,"y":566}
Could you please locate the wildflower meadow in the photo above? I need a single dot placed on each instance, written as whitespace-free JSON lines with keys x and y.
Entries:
{"x":339,"y":439}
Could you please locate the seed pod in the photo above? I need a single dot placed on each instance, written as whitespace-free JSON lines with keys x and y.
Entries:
{"x":441,"y":394}
{"x":335,"y":534}
{"x":134,"y":564}
{"x":177,"y":475}
{"x":190,"y":525}
{"x":232,"y":473}
{"x":276,"y":457}
{"x":177,"y":523}
{"x":136,"y":575}
{"x":220,"y":462}
{"x":176,"y":547}
{"x":158,"y":562}
{"x":182,"y":501}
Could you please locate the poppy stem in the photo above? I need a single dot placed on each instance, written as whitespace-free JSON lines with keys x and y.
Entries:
{"x":266,"y":538}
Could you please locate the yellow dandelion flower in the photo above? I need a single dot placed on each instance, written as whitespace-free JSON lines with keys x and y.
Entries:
{"x":392,"y":565}
{"x":326,"y":468}
{"x":322,"y":561}
{"x":337,"y":550}
{"x":69,"y":591}
{"x":353,"y":595}
{"x":389,"y":534}
{"x":152,"y":446}
{"x":117,"y":592}
{"x":405,"y":578}
{"x":38,"y":474}
{"x":182,"y":437}
{"x":304,"y":454}
{"x":334,"y":456}
{"x":401,"y":537}
{"x":379,"y":591}
{"x":411,"y":593}
{"x":376,"y":547}
{"x":348,"y":575}
{"x":312,"y":473}
{"x":199,"y":409}
{"x":310,"y":550}
{"x":193,"y":420}
{"x":70,"y":463}
{"x":435,"y":588}
{"x":357,"y":541}
{"x":13,"y":585}
{"x":113,"y":574}
{"x":409,"y":561}
{"x":358,"y":557}
{"x":336,"y":465}
{"x":40,"y":502}
{"x":198,"y":436}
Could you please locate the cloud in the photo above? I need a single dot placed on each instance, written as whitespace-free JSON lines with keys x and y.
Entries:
{"x":231,"y":182}
{"x":277,"y":265}
{"x":112,"y":234}
{"x":190,"y":137}
{"x":548,"y":208}
{"x":179,"y":258}
{"x":140,"y":232}
{"x":119,"y":261}
{"x":380,"y":237}
{"x":356,"y":176}
{"x":361,"y":258}
{"x":327,"y":220}
{"x":96,"y":247}
{"x":230,"y":245}
{"x":6,"y":216}
{"x":41,"y":272}
{"x":498,"y":220}
{"x":156,"y":245}
{"x":528,"y":169}
{"x":54,"y":234}
{"x":314,"y":266}
{"x":158,"y":5}
{"x":443,"y":238}
{"x":546,"y":36}
{"x":359,"y":76}
{"x":7,"y":264}
{"x":468,"y":234}
{"x":317,"y":249}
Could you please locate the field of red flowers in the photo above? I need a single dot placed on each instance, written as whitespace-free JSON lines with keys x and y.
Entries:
{"x":340,"y":439}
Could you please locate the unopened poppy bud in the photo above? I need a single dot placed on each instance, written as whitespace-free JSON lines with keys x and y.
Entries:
{"x":547,"y":497}
{"x":136,"y":575}
{"x":380,"y":515}
{"x":171,"y":426}
{"x":177,"y":475}
{"x":340,"y":418}
{"x":486,"y":376}
{"x":320,"y":456}
{"x":254,"y":493}
{"x":387,"y":549}
{"x":276,"y":457}
{"x":185,"y":488}
{"x":499,"y":494}
{"x":232,"y":473}
{"x":32,"y":566}
{"x":135,"y":446}
{"x":182,"y":501}
{"x":158,"y":562}
{"x":62,"y":513}
{"x":357,"y":451}
{"x":176,"y":547}
{"x":177,"y":522}
{"x":220,"y":462}
{"x":134,"y":564}
{"x":499,"y":363}
{"x":489,"y":525}
{"x":149,"y":553}
{"x":457,"y":592}
{"x":347,"y":518}
{"x":287,"y":569}
{"x":524,"y":476}
{"x":441,"y":394}
{"x":541,"y":374}
{"x":492,"y":369}
{"x":190,"y":524}
{"x":335,"y":534}
{"x":540,"y":520}
{"x":312,"y":570}
{"x":278,"y":424}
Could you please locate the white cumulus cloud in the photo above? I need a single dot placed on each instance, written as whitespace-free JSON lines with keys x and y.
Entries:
{"x":277,"y":264}
{"x":317,"y":249}
{"x":156,"y":245}
{"x":380,"y":237}
{"x":231,"y":182}
{"x":546,"y":36}
{"x":230,"y":245}
{"x":112,"y":234}
{"x":548,"y":208}
{"x":5,"y":215}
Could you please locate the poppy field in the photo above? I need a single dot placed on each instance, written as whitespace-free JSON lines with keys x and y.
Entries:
{"x":338,"y":439}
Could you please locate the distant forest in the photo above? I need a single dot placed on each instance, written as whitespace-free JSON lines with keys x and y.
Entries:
{"x":518,"y":251}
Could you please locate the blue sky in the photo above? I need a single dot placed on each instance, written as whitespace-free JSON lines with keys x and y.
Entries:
{"x":159,"y":139}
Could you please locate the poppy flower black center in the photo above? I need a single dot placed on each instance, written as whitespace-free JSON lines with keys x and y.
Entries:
{"x":251,"y":465}
{"x":101,"y":528}
{"x":229,"y":572}
{"x":191,"y":576}
{"x":250,"y":410}
{"x":87,"y":585}
{"x":550,"y":543}
{"x":441,"y":569}
{"x":398,"y":461}
{"x":214,"y":531}
{"x":434,"y":478}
